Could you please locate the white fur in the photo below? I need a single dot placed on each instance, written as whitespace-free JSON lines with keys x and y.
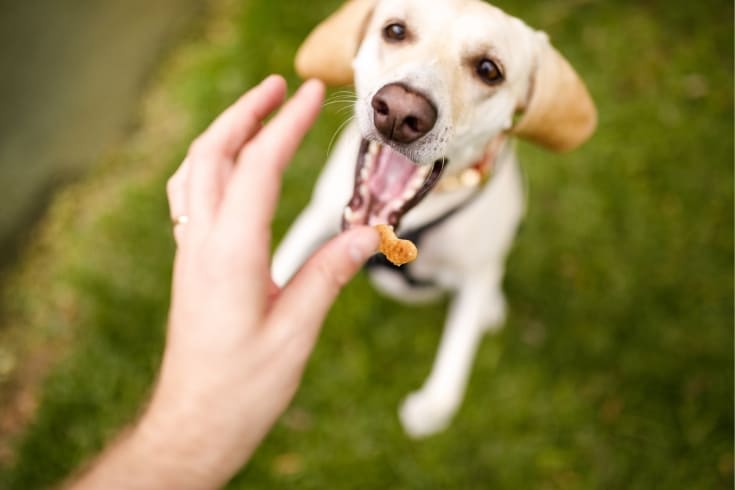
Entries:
{"x":465,"y":255}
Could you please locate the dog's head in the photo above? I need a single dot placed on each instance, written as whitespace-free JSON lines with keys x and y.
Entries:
{"x":438,"y":80}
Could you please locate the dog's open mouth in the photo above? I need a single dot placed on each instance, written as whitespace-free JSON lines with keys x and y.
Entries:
{"x":387,"y":186}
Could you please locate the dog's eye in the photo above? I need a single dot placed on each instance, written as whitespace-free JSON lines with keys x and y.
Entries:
{"x":489,"y":72}
{"x":395,"y":32}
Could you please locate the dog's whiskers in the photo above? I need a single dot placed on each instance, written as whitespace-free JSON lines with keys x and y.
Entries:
{"x":338,"y":107}
{"x":344,"y":92}
{"x":338,"y":102}
{"x":338,"y":131}
{"x":342,"y":110}
{"x":345,"y":103}
{"x":341,"y":97}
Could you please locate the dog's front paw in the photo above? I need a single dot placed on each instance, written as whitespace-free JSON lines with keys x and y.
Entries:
{"x":424,"y":413}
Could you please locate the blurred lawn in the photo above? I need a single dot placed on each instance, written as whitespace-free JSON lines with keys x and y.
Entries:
{"x":615,"y":368}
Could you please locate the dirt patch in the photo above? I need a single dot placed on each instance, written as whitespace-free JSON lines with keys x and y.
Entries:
{"x":20,"y":398}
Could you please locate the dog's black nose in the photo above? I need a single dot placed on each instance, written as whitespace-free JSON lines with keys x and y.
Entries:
{"x":402,"y":115}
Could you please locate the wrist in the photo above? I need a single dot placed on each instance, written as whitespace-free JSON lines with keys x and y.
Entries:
{"x":141,"y":458}
{"x":176,"y":452}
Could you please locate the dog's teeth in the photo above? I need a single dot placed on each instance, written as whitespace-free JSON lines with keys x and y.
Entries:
{"x":363,"y":190}
{"x":369,"y":162}
{"x":371,"y":157}
{"x":352,"y":216}
{"x":364,"y":172}
{"x":417,"y":182}
{"x":408,"y":194}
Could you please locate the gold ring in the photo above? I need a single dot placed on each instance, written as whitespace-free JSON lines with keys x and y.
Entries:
{"x":181,"y":219}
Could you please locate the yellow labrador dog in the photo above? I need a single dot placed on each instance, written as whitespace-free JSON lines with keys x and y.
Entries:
{"x":442,"y":87}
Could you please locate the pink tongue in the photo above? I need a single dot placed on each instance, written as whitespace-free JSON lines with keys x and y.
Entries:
{"x":392,"y":174}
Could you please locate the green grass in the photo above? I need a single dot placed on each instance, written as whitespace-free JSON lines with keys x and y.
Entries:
{"x":615,"y":366}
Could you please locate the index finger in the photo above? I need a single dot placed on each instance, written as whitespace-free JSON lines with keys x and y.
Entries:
{"x":213,"y":153}
{"x":255,"y":184}
{"x":239,"y":122}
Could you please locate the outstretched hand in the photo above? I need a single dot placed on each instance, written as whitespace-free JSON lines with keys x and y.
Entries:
{"x":237,"y":344}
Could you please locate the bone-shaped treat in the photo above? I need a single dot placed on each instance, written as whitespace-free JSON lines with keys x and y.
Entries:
{"x":396,"y":250}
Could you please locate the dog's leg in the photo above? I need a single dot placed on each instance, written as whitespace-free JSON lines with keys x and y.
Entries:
{"x":478,"y":306}
{"x":312,"y":228}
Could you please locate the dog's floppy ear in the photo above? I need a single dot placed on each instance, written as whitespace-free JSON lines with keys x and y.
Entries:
{"x":328,"y":51}
{"x":559,"y":113}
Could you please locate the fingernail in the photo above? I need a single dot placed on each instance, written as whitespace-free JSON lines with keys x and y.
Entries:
{"x":363,"y":244}
{"x":313,"y":84}
{"x":270,"y":79}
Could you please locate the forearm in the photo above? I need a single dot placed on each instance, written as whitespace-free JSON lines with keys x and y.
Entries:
{"x":149,"y":457}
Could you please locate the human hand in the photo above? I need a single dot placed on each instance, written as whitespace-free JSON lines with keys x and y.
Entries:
{"x":237,"y":344}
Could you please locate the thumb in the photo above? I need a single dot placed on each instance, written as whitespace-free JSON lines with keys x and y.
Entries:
{"x":305,"y":301}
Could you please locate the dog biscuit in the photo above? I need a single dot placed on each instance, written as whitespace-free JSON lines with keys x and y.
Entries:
{"x":396,"y":250}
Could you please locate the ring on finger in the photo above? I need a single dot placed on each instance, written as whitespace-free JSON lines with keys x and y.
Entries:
{"x":181,"y":219}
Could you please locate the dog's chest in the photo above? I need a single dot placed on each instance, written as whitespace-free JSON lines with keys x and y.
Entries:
{"x":463,"y":234}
